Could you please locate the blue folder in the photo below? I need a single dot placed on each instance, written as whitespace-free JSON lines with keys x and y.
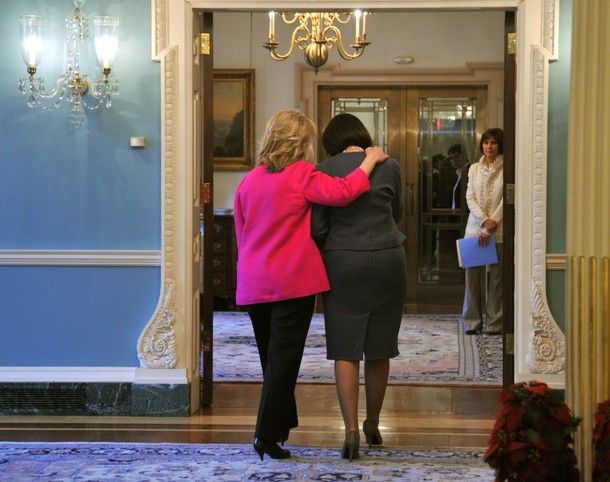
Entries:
{"x":471,"y":254}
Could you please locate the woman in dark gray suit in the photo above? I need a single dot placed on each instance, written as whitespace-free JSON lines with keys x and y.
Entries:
{"x":365,"y":261}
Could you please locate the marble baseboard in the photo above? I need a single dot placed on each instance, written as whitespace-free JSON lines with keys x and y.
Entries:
{"x":128,"y":399}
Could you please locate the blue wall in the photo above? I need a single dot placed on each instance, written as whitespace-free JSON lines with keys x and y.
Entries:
{"x":67,"y":188}
{"x":559,"y":96}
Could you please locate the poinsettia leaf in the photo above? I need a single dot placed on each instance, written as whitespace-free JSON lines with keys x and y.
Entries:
{"x":539,"y":388}
{"x":556,"y":396}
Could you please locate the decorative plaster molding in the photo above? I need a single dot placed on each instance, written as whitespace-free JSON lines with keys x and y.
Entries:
{"x":157,"y":343}
{"x":548,"y":345}
{"x":71,"y":257}
{"x":550,"y":27}
{"x":546,"y":342}
{"x":160,"y":30}
{"x":537,"y":333}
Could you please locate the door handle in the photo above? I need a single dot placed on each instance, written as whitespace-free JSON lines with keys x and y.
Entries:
{"x":410,"y":198}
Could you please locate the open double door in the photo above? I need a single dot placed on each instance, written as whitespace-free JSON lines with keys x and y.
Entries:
{"x":416,"y":125}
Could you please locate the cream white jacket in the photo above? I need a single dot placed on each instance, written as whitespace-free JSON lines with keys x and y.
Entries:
{"x":484,"y":195}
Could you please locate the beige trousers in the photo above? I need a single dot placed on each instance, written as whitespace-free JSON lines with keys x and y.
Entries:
{"x":483,"y":297}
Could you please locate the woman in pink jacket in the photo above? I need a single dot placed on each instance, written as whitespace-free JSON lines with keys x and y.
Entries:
{"x":279,"y":267}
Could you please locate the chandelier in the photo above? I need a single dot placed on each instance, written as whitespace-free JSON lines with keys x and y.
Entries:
{"x":72,"y":87}
{"x":316,"y":33}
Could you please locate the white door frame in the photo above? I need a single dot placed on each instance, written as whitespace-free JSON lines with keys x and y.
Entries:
{"x":173,"y":329}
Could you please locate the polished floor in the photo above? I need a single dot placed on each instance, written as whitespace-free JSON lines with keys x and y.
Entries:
{"x":413,"y":416}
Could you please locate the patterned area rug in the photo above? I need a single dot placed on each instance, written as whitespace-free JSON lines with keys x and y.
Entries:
{"x":433,"y":349}
{"x":218,"y":462}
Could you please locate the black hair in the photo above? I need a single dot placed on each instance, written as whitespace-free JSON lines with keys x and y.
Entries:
{"x":345,"y":130}
{"x":498,"y":136}
{"x":455,"y":149}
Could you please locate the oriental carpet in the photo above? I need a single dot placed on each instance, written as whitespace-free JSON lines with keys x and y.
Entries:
{"x":63,"y":461}
{"x":433,"y":349}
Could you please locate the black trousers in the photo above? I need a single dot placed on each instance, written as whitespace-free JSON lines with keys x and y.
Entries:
{"x":280,"y":329}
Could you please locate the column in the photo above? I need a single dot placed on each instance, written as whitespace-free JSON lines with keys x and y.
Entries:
{"x":588,"y":221}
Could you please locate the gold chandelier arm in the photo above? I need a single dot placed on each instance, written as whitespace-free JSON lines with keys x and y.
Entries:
{"x":338,"y":41}
{"x":293,"y":42}
{"x":338,"y":17}
{"x":301,"y":17}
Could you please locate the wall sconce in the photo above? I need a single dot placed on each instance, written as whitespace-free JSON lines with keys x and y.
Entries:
{"x":71,"y":86}
{"x":315,"y":34}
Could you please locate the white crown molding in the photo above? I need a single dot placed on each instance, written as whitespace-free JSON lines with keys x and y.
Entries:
{"x":81,"y":257}
{"x":91,"y":375}
{"x":341,"y":5}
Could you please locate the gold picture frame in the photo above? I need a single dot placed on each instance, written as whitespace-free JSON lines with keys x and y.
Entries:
{"x":233,"y":120}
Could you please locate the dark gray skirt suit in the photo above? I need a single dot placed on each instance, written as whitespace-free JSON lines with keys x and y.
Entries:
{"x":365,"y":261}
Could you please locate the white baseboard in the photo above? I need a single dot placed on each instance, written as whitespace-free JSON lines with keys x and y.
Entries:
{"x":144,"y":376}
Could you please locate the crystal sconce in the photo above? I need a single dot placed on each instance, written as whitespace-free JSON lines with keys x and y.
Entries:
{"x":73,"y":87}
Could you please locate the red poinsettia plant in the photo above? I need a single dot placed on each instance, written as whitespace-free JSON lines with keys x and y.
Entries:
{"x":532,"y":439}
{"x":601,"y":443}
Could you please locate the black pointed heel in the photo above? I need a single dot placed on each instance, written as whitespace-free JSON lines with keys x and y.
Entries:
{"x":263,"y":447}
{"x":371,"y":432}
{"x":351,"y":446}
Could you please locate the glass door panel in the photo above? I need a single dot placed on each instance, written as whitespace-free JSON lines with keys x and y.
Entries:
{"x":447,"y":141}
{"x":371,"y":111}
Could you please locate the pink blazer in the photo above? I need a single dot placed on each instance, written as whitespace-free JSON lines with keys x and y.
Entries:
{"x":277,"y":257}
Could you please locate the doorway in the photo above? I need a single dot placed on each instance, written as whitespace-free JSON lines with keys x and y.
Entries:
{"x":420,"y":126}
{"x":538,"y":46}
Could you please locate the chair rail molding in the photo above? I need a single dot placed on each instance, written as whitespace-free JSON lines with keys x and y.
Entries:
{"x":537,"y":29}
{"x":79,"y":257}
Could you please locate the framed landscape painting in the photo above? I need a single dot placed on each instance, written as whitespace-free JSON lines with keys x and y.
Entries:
{"x":233,"y":106}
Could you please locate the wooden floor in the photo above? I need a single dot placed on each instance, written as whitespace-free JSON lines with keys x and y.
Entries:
{"x":413,"y":415}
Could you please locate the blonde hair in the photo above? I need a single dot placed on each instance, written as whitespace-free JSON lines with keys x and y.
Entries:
{"x":289,"y":136}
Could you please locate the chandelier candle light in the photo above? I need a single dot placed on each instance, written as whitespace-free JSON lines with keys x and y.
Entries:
{"x":316,"y":33}
{"x":79,"y":90}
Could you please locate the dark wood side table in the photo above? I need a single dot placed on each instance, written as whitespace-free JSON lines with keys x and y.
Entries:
{"x":224,"y":262}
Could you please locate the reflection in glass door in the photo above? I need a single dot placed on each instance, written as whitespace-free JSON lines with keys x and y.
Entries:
{"x":371,"y":111}
{"x":447,"y":143}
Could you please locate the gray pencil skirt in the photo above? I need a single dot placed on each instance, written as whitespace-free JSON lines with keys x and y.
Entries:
{"x":363,"y":309}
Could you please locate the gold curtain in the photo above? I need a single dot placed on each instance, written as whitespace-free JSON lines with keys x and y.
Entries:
{"x":588,"y":219}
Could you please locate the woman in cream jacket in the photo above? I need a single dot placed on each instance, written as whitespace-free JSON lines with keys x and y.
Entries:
{"x":482,"y":310}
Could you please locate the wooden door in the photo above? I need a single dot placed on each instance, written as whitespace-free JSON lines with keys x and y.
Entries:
{"x":508,"y":217}
{"x":203,"y":68}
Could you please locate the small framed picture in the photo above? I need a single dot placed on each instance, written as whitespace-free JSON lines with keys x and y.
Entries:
{"x":233,"y":106}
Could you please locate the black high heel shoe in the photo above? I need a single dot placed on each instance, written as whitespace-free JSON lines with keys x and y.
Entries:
{"x":371,"y":433}
{"x":272,"y":449}
{"x":351,"y":446}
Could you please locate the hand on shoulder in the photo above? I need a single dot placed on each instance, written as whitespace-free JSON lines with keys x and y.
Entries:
{"x":376,"y":154}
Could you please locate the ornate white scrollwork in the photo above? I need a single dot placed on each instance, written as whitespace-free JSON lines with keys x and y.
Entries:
{"x":160,"y":27}
{"x":157,"y":343}
{"x":547,"y":344}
